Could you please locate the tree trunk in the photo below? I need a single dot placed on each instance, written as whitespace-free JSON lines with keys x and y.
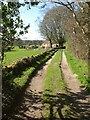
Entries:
{"x":50,"y":43}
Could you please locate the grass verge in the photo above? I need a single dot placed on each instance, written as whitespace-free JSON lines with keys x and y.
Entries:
{"x":14,"y":87}
{"x":79,"y":67}
{"x":20,"y":81}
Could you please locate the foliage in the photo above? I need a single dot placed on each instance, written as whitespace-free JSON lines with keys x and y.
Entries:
{"x":74,"y":19}
{"x":75,"y":25}
{"x":10,"y":22}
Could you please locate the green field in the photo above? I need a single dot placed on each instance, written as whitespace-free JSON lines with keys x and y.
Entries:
{"x":17,"y":54}
{"x":79,"y":67}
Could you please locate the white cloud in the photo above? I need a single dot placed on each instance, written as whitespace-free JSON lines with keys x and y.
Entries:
{"x":32,"y":35}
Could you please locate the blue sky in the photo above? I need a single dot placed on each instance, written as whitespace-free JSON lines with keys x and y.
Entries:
{"x":33,"y":16}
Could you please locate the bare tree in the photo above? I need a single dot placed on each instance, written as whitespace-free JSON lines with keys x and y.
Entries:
{"x":46,"y":31}
{"x":51,"y":27}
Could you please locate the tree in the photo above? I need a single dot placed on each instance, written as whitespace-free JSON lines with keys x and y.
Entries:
{"x":82,"y":20}
{"x":79,"y":13}
{"x":10,"y":22}
{"x":46,"y":31}
{"x":58,"y":33}
{"x":51,"y":27}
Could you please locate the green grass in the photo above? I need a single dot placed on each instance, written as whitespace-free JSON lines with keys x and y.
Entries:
{"x":12,"y":86}
{"x":79,"y":67}
{"x":53,"y":79}
{"x":17,"y":54}
{"x":20,"y":81}
{"x":53,"y":85}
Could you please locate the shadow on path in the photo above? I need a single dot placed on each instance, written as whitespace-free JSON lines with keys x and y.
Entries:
{"x":61,"y":107}
{"x":69,"y":106}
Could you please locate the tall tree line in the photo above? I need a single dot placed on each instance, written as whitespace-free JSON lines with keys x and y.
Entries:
{"x":71,"y":21}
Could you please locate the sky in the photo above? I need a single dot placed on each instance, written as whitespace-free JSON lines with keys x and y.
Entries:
{"x":33,"y":17}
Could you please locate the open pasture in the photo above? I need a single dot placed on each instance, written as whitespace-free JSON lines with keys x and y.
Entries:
{"x":17,"y":54}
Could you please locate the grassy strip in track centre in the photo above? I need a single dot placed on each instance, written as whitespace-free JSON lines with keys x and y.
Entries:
{"x":53,"y":79}
{"x":79,"y":67}
{"x":17,"y":54}
{"x":54,"y":85}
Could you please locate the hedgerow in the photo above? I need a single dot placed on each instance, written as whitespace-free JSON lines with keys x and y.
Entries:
{"x":16,"y":78}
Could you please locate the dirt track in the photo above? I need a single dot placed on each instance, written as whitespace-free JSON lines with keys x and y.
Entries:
{"x":80,"y":100}
{"x":73,"y":85}
{"x":31,"y":106}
